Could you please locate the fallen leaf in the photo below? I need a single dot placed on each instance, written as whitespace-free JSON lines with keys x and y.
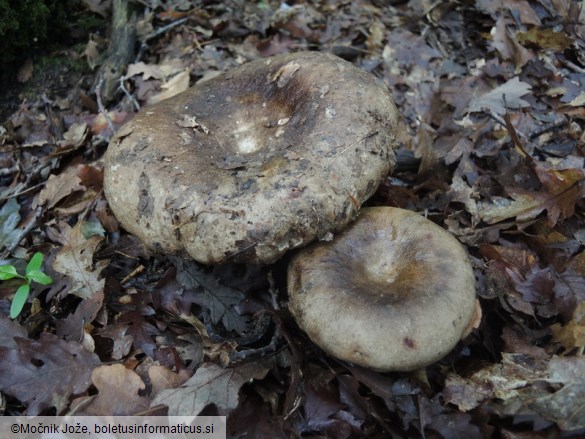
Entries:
{"x":8,"y":330}
{"x":74,"y":136}
{"x":566,"y":406}
{"x":9,"y":219}
{"x":545,"y":38}
{"x":565,"y":187}
{"x":44,"y":373}
{"x":211,"y":384}
{"x":75,"y":260}
{"x":500,"y":99}
{"x":162,"y":378}
{"x":505,"y":42}
{"x":571,"y":335}
{"x":122,"y":342}
{"x":118,"y":392}
{"x":146,"y":70}
{"x":174,"y":86}
{"x":60,"y":186}
{"x":73,"y":326}
{"x":516,"y":371}
{"x":219,"y":299}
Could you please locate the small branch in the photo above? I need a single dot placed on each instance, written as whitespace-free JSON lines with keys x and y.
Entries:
{"x":23,"y":232}
{"x":547,"y":128}
{"x":127,"y":93}
{"x":156,"y":33}
{"x":102,"y":109}
{"x":517,"y":137}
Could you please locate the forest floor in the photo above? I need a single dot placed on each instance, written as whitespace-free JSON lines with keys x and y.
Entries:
{"x":491,"y":95}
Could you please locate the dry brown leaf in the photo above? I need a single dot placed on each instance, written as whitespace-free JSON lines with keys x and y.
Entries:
{"x":505,"y":42}
{"x":146,"y":70}
{"x":571,"y":335}
{"x":162,"y":378}
{"x":175,"y":85}
{"x":565,"y":187}
{"x":211,"y":384}
{"x":43,"y":373}
{"x":545,"y":38}
{"x":75,"y":135}
{"x":60,"y":186}
{"x":118,"y":392}
{"x":75,"y":260}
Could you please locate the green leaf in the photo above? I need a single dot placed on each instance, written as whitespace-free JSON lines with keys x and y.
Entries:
{"x":39,"y":277}
{"x":19,"y":300}
{"x":8,"y":272}
{"x":35,"y":263}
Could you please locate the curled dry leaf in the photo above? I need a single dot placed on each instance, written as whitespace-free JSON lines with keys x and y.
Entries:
{"x":565,"y":186}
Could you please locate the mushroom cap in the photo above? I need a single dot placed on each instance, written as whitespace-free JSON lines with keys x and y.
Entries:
{"x":245,"y":166}
{"x":393,"y":292}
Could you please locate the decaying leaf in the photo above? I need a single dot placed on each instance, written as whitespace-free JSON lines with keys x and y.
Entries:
{"x":564,"y":188}
{"x":572,"y":335}
{"x":517,"y":383}
{"x":75,"y":260}
{"x":219,"y":299}
{"x":545,"y":38}
{"x":43,"y":373}
{"x":505,"y":97}
{"x":60,"y":186}
{"x":118,"y":389}
{"x":9,"y":219}
{"x":175,"y":85}
{"x":211,"y":384}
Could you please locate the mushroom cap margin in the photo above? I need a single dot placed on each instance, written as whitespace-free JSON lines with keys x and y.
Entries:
{"x":393,"y":292}
{"x":260,"y":160}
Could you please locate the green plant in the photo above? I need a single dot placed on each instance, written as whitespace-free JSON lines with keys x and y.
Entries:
{"x":33,"y":273}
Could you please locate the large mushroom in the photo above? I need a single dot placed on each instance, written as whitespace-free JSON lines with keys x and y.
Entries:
{"x":393,"y":292}
{"x":268,"y":157}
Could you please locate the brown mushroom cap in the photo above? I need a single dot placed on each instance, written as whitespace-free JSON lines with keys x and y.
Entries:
{"x":393,"y":292}
{"x":247,"y":165}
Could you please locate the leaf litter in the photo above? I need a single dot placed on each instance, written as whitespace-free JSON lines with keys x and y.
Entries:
{"x":491,"y":98}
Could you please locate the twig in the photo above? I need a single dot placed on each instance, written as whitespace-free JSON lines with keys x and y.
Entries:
{"x":547,"y":128}
{"x":573,"y":66}
{"x":135,"y":272}
{"x":28,"y":189}
{"x":348,"y":147}
{"x":516,"y":135}
{"x":23,"y":232}
{"x":102,"y":109}
{"x":156,"y":33}
{"x":127,"y":93}
{"x":162,"y":30}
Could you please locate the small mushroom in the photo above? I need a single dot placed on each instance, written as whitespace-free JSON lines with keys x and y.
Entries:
{"x":243,"y":167}
{"x":393,"y":292}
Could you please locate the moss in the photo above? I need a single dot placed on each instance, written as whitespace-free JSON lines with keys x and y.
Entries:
{"x":23,"y":23}
{"x":28,"y":27}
